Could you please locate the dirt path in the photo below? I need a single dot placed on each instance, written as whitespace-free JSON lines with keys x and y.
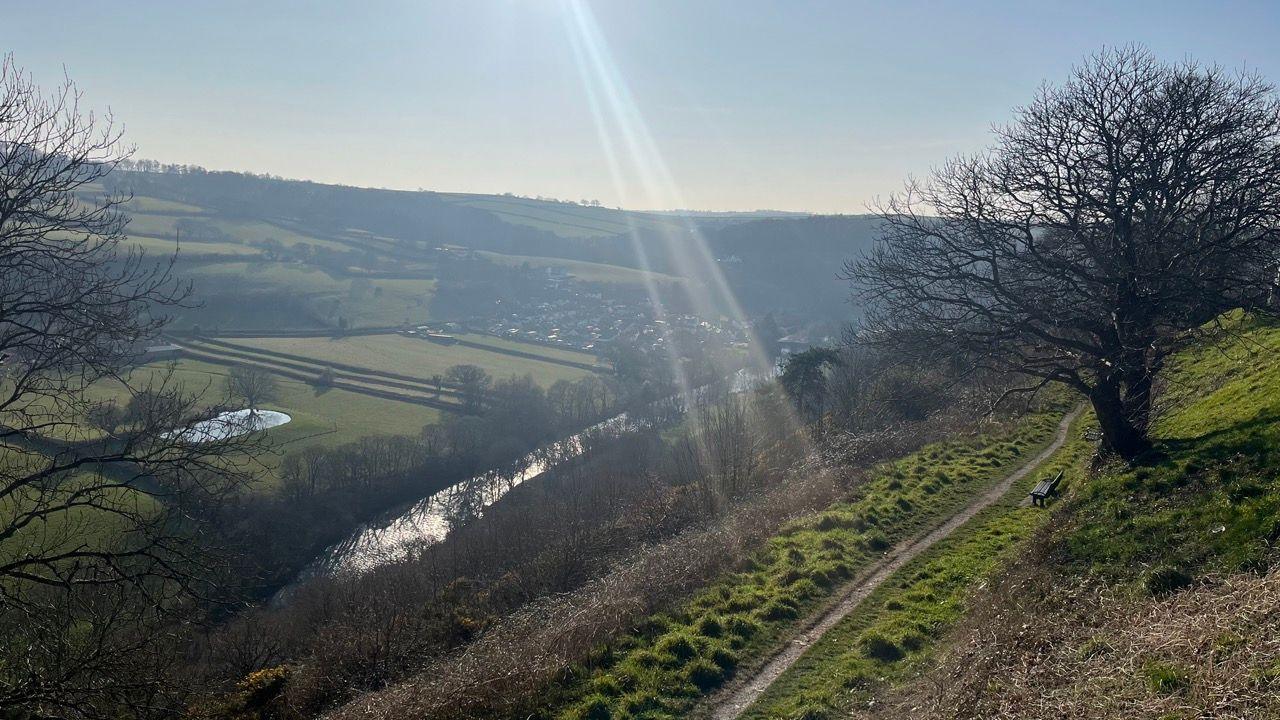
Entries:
{"x":732,"y":700}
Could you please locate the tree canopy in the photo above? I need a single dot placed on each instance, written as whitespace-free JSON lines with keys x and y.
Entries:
{"x":1116,"y":213}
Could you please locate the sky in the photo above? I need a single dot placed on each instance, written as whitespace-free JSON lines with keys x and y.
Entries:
{"x":647,"y":104}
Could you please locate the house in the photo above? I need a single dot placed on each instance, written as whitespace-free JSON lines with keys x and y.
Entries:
{"x":792,"y":344}
{"x":161,"y":352}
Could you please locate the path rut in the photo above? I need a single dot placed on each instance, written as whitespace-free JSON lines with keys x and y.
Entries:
{"x":732,"y":700}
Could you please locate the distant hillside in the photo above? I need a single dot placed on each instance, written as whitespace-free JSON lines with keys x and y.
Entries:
{"x":794,"y":263}
{"x":771,"y":261}
{"x":572,"y":220}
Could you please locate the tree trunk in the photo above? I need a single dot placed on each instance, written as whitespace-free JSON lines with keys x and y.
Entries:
{"x":1137,"y":399}
{"x":1120,"y":434}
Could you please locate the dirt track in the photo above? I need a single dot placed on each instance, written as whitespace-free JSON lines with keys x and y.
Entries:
{"x":733,"y":699}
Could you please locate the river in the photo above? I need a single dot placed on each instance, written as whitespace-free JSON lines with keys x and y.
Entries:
{"x":427,"y":521}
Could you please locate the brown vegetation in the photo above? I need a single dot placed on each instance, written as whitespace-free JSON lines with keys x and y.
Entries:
{"x":1041,"y":645}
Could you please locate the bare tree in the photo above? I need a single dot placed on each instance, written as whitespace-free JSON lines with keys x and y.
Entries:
{"x":100,"y":528}
{"x":1117,"y":212}
{"x":252,"y":384}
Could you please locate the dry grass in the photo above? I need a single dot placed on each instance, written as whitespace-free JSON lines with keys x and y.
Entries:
{"x":521,"y":654}
{"x":510,"y":668}
{"x":1043,"y":647}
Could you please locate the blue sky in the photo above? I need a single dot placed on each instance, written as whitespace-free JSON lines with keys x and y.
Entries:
{"x":737,"y":104}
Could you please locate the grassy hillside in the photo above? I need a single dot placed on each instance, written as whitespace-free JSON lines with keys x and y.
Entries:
{"x":676,"y":659}
{"x":591,"y":272}
{"x":898,"y":626}
{"x":1021,"y":604}
{"x":247,"y":295}
{"x":571,"y":220}
{"x":1146,"y":594}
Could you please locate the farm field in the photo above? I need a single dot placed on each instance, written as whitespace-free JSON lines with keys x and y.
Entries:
{"x":159,"y":247}
{"x":586,"y":271}
{"x":320,"y":416}
{"x":69,"y":528}
{"x":554,"y":353}
{"x":563,"y":219}
{"x":144,"y":204}
{"x":401,"y":300}
{"x":165,"y":226}
{"x":422,"y":359}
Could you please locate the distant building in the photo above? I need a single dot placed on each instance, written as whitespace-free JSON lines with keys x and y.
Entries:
{"x":161,"y":352}
{"x":792,"y":344}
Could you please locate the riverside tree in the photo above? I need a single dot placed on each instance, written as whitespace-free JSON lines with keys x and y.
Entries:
{"x":101,"y":511}
{"x":1115,"y":214}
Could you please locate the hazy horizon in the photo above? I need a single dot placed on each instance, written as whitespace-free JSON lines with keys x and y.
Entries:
{"x":716,"y":106}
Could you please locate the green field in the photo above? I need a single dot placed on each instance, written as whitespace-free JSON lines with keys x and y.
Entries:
{"x":320,"y":416}
{"x":565,"y":219}
{"x":144,"y":204}
{"x":400,"y":300}
{"x":422,"y":359}
{"x":157,"y":247}
{"x":586,"y":271}
{"x":555,"y":353}
{"x":165,"y":226}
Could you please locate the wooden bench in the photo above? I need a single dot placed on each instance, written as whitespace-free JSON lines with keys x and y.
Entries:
{"x":1044,"y":489}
